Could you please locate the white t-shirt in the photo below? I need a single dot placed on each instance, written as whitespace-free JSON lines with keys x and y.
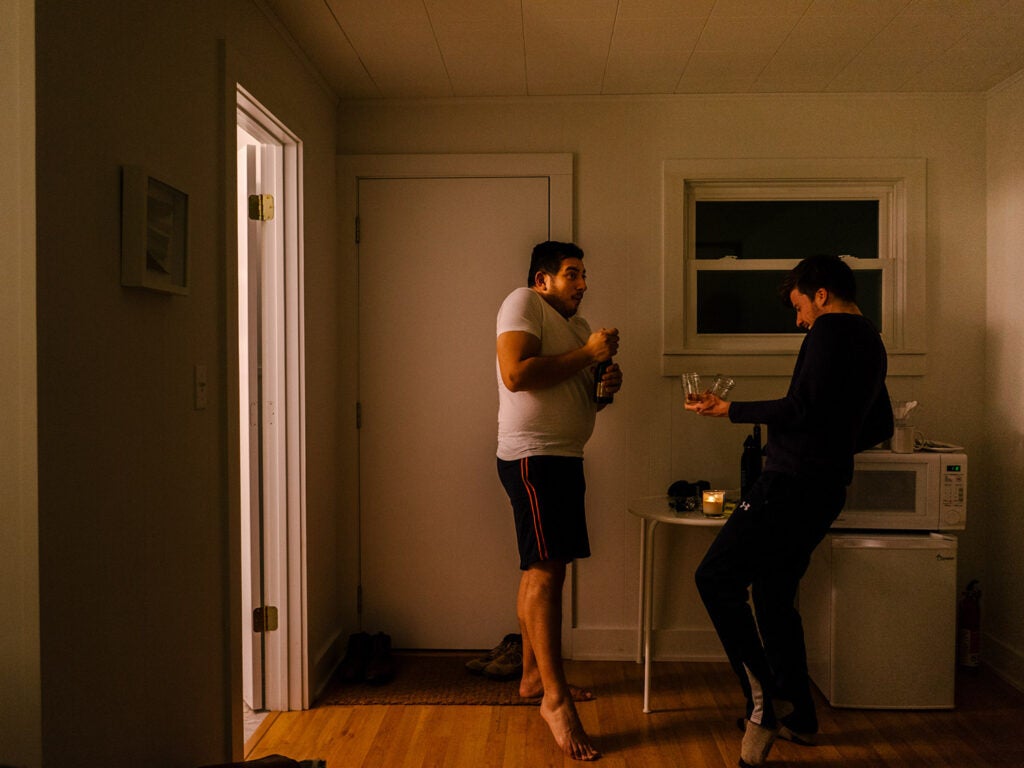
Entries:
{"x":558,"y":420}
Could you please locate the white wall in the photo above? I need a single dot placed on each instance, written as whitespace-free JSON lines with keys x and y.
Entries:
{"x":138,"y":549}
{"x":646,"y":440}
{"x":1003,"y":395}
{"x":20,"y":709}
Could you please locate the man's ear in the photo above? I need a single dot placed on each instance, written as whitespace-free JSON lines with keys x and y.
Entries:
{"x":540,"y":279}
{"x":822,"y":297}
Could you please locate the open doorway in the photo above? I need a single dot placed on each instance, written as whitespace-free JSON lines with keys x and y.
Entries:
{"x":271,"y":412}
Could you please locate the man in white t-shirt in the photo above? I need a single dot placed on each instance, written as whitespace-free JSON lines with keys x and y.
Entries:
{"x":546,"y":357}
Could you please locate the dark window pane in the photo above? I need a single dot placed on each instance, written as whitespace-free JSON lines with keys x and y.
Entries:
{"x":742,"y":302}
{"x":748,"y":301}
{"x":786,"y":229}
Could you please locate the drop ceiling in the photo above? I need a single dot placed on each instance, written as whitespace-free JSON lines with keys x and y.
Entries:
{"x":494,"y":48}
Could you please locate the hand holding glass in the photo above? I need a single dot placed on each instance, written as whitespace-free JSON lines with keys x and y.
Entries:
{"x":723,"y":385}
{"x":692,"y":387}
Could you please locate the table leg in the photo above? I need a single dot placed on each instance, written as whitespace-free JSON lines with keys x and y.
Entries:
{"x":643,"y":593}
{"x":648,"y":605}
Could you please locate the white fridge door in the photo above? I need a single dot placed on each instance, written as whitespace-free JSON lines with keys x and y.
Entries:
{"x":893,"y":621}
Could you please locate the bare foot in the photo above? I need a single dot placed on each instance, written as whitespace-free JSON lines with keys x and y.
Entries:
{"x":568,"y":731}
{"x":577,"y":693}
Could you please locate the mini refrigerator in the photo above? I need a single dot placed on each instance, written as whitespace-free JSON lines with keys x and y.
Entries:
{"x":879,"y":613}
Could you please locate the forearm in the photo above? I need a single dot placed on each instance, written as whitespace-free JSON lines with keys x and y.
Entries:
{"x":541,"y":372}
{"x":783,"y":410}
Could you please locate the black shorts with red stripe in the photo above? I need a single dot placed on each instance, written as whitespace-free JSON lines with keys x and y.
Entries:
{"x":547,"y":495}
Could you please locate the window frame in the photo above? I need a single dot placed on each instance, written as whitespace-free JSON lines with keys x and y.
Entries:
{"x":897,"y":184}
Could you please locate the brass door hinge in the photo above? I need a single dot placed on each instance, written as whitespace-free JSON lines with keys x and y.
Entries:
{"x":261,"y":207}
{"x":264,"y":619}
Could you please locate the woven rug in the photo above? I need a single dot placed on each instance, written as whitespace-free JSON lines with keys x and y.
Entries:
{"x":427,"y":678}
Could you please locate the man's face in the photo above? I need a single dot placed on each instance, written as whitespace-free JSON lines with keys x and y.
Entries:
{"x":808,"y":308}
{"x":564,"y":291}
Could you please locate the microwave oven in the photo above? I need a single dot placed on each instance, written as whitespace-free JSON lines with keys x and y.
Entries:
{"x":919,"y":491}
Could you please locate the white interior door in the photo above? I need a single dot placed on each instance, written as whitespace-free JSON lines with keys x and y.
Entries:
{"x":271,"y":404}
{"x":436,"y":258}
{"x":250,"y":465}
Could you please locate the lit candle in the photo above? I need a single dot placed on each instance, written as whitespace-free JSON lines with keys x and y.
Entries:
{"x":713,"y":503}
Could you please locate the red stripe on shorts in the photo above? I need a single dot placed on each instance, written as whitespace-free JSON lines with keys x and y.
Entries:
{"x":538,"y":530}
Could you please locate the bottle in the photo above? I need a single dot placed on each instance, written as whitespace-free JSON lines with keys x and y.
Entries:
{"x":969,"y":627}
{"x":750,"y":461}
{"x":601,"y":393}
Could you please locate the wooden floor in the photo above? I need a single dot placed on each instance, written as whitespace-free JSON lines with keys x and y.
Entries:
{"x":693,"y":725}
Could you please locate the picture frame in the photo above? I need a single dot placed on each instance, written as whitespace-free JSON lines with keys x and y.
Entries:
{"x":154,"y":233}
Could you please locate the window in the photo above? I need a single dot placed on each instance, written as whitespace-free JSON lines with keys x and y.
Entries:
{"x":734,"y":228}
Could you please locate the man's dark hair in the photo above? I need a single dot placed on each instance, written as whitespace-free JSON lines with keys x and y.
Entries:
{"x":820,"y":271}
{"x":548,"y":257}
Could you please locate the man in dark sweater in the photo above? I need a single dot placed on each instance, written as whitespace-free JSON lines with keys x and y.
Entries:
{"x":837,"y":405}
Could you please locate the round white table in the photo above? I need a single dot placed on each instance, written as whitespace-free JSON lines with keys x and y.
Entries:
{"x":653,"y":510}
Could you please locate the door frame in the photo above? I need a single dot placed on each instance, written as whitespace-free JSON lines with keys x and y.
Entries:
{"x":284,"y":562}
{"x":557,"y":167}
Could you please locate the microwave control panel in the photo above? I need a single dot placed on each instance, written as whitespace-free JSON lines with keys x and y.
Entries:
{"x":953,"y":511}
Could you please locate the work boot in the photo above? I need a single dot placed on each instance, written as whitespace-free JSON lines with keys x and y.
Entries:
{"x":477,"y":666}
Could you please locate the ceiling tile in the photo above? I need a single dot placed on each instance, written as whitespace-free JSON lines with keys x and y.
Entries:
{"x":647,"y":55}
{"x":871,"y":76}
{"x":744,"y":33}
{"x":566,"y":54}
{"x":664,"y":9}
{"x":483,"y":58}
{"x":316,"y":31}
{"x":805,"y":70}
{"x":761,"y":8}
{"x":852,"y":8}
{"x":723,"y":65}
{"x":439,"y":48}
{"x":964,"y":70}
{"x":846,"y":32}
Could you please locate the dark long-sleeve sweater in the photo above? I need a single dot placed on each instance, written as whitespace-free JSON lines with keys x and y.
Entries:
{"x":837,"y":403}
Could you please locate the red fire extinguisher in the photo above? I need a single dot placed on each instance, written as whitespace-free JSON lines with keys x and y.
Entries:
{"x":969,"y":626}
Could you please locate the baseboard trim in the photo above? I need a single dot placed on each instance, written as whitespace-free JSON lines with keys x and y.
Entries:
{"x":324,"y":663}
{"x":668,"y":645}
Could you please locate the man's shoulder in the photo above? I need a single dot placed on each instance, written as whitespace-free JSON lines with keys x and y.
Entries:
{"x":521,"y":296}
{"x":843,"y":324}
{"x":521,"y":311}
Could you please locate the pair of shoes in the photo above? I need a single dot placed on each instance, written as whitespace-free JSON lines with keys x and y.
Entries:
{"x":511,"y":643}
{"x":381,"y":667}
{"x":367,"y":658}
{"x":357,"y":657}
{"x":507,"y":666}
{"x":803,"y":738}
{"x":757,"y":743}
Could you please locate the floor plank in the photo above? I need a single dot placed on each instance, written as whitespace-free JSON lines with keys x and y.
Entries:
{"x":693,"y":724}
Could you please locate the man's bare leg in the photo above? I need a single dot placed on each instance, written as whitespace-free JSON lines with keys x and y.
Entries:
{"x":531,"y":686}
{"x":539,"y":606}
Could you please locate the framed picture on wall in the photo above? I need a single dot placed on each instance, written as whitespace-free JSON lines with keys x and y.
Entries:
{"x":154,"y":233}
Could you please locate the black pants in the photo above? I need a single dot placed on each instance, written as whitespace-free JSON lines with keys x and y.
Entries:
{"x":766,"y":546}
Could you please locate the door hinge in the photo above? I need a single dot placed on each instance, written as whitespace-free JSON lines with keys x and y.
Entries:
{"x":264,"y":619}
{"x":261,"y":207}
{"x":359,"y":415}
{"x":359,"y":231}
